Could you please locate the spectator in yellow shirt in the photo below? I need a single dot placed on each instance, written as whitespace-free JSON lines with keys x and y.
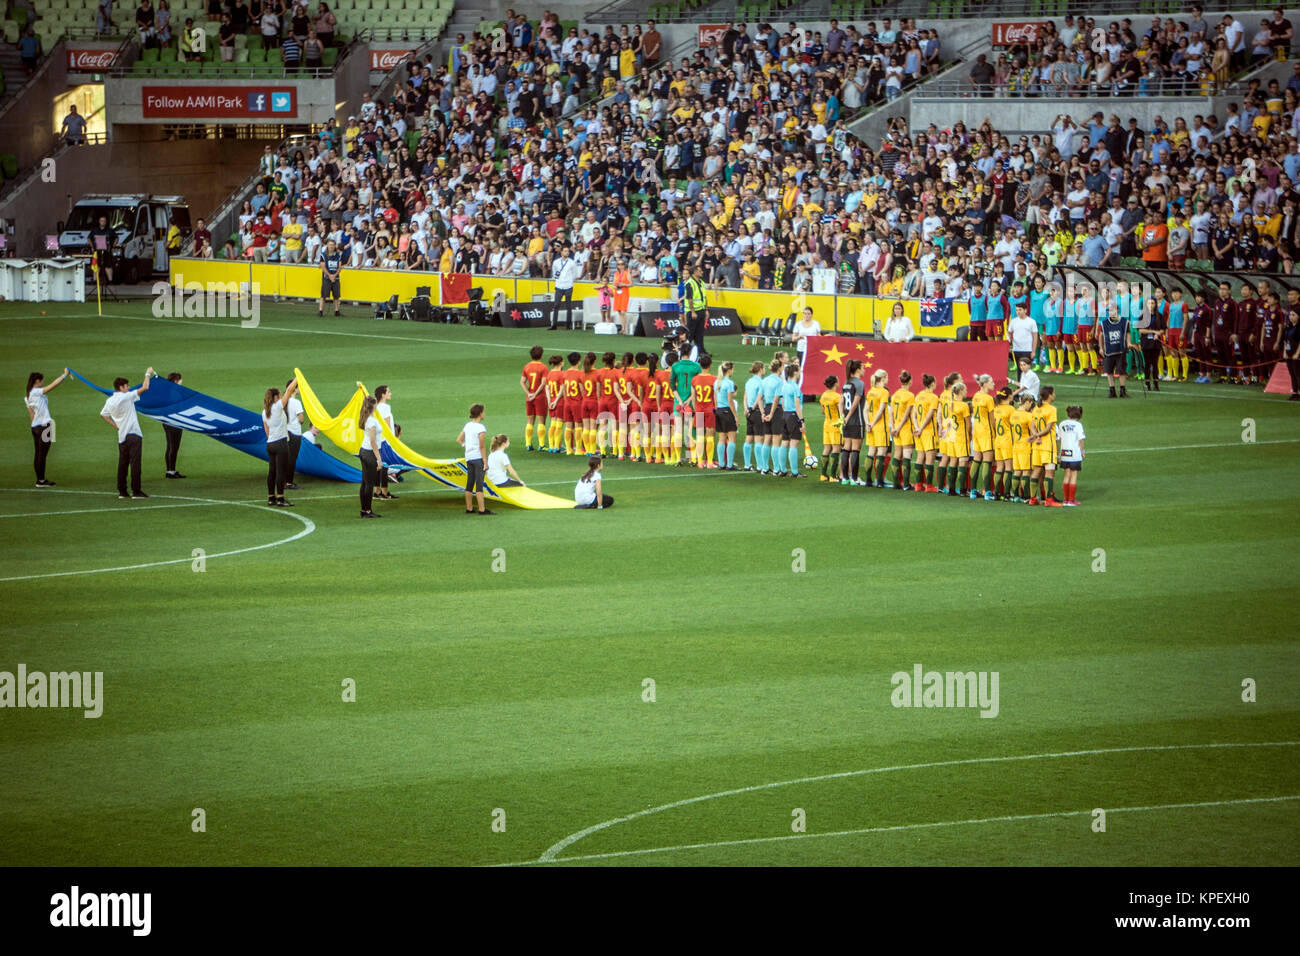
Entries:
{"x":749,"y":272}
{"x":292,"y":236}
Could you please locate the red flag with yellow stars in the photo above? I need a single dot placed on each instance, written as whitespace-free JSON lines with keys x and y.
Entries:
{"x":831,"y":354}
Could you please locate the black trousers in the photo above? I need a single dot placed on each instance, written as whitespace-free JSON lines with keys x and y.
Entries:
{"x":565,"y":296}
{"x":128,"y":456}
{"x":40,"y":437}
{"x":277,"y":467}
{"x":173,"y":446}
{"x":1151,"y":351}
{"x":1293,"y":366}
{"x":295,"y":442}
{"x":695,"y":323}
{"x":369,"y":476}
{"x":605,"y":502}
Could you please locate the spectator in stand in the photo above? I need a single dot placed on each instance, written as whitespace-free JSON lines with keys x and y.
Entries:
{"x":74,"y":127}
{"x":144,"y":23}
{"x":326,"y":23}
{"x":163,"y":23}
{"x":291,"y":53}
{"x":270,"y":26}
{"x":104,"y":17}
{"x":226,"y":39}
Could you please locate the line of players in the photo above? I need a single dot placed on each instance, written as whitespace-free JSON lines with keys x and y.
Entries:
{"x":1006,"y":443}
{"x":1221,"y":338}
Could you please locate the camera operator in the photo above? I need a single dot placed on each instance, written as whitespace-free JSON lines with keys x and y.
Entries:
{"x":681,"y":344}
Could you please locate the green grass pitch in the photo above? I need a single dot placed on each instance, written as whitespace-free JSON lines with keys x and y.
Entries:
{"x":523,"y":691}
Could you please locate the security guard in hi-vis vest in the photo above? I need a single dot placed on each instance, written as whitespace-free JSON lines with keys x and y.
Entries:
{"x":694,"y":307}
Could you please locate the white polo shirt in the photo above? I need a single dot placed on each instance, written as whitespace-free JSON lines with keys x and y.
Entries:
{"x":121,"y":408}
{"x":584,"y":493}
{"x":496,"y":466}
{"x":475,"y":439}
{"x":1022,"y":334}
{"x":373,"y":435}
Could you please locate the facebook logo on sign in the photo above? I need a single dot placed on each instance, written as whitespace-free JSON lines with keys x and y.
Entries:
{"x":257,"y":102}
{"x":281,"y":102}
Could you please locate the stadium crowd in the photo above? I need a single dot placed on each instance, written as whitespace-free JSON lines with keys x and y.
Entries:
{"x":737,"y":161}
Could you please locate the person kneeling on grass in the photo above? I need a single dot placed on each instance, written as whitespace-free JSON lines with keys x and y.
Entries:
{"x":499,"y":470}
{"x":587,"y":493}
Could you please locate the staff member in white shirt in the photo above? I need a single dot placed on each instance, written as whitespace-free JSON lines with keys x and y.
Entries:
{"x":294,"y":411}
{"x":1023,"y":332}
{"x":1029,"y":383}
{"x":587,"y":493}
{"x":372,"y":437}
{"x":38,"y":410}
{"x":275,"y":422}
{"x":474,"y":437}
{"x":500,"y":472}
{"x":119,"y":412}
{"x":565,"y":273}
{"x":805,"y":327}
{"x":384,"y":412}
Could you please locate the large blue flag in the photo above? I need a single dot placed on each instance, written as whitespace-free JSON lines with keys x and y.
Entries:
{"x":231,"y":425}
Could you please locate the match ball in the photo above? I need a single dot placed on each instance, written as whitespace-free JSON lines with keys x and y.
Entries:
{"x":810,"y":461}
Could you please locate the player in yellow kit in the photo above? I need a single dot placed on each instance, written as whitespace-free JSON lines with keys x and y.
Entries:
{"x":925,"y":430}
{"x":831,"y":436}
{"x":945,"y":427}
{"x":958,"y":440}
{"x":1045,"y":449}
{"x":981,"y":413}
{"x":1021,"y":460}
{"x":900,"y":431}
{"x":877,"y":428}
{"x":1002,"y":409}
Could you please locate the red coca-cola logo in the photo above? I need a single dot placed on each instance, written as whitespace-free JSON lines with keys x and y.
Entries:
{"x":387,"y":59}
{"x":710,"y":34}
{"x":91,"y":60}
{"x":1009,"y":34}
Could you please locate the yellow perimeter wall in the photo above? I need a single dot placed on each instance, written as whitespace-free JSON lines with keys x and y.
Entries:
{"x":845,"y":314}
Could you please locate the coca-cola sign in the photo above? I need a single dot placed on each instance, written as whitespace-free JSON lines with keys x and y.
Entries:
{"x":90,"y":61}
{"x":1017,"y":32}
{"x":710,"y":34}
{"x":381,"y":61}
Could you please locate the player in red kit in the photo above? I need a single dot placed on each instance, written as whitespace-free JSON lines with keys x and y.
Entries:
{"x":554,"y":404}
{"x":573,"y":405}
{"x":706,"y":403}
{"x":533,"y":382}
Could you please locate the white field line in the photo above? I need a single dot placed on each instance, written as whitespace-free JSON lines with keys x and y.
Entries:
{"x":553,"y":852}
{"x":308,"y":527}
{"x":915,"y":826}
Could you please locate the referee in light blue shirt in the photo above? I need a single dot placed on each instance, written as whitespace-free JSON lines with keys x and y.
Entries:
{"x":768,"y":459}
{"x":753,"y":413}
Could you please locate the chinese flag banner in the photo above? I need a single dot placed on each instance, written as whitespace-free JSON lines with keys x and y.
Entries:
{"x":455,"y":287}
{"x":830,"y":355}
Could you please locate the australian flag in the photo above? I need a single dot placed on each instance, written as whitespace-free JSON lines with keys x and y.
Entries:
{"x":936,"y":312}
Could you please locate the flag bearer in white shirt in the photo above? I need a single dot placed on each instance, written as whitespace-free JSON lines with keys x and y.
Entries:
{"x":119,"y":412}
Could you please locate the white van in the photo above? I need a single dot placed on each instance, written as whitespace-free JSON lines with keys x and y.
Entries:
{"x":141,"y":222}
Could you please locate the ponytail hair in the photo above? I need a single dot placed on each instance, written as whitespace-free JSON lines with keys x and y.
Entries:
{"x":588,"y":361}
{"x":367,"y":409}
{"x":755,"y":369}
{"x":1047,"y":392}
{"x":269,"y":399}
{"x":32,"y":379}
{"x":593,"y":466}
{"x":726,"y":367}
{"x":878,"y":376}
{"x":927,"y":380}
{"x":498,"y":441}
{"x":904,"y":377}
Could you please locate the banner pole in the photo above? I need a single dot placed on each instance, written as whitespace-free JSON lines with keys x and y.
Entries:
{"x":99,"y":305}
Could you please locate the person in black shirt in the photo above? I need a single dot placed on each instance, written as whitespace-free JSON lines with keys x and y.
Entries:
{"x":1291,"y":347}
{"x":239,"y":16}
{"x":105,"y":255}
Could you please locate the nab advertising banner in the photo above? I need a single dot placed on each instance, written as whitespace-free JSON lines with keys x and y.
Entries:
{"x":530,"y":315}
{"x":659,"y":324}
{"x":272,"y":103}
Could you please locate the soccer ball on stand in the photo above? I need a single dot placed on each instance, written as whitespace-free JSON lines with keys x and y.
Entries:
{"x":810,"y":461}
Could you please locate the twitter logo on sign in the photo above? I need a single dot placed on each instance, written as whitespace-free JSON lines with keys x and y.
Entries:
{"x":257,"y":102}
{"x":281,"y":103}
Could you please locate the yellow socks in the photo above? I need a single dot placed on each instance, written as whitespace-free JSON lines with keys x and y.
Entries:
{"x":528,"y":435}
{"x":710,"y":446}
{"x":568,"y":439}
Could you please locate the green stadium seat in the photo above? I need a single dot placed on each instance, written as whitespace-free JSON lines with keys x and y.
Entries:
{"x":9,"y":165}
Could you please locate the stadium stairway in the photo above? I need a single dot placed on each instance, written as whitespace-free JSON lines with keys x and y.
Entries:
{"x":466,"y":17}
